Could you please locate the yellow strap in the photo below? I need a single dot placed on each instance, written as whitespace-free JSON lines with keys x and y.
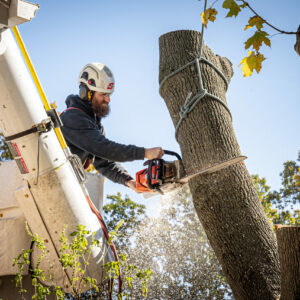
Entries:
{"x":37,"y":82}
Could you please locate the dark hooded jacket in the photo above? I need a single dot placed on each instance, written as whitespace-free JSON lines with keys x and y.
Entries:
{"x":85,"y":137}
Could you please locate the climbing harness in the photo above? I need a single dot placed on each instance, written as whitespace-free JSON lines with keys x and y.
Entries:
{"x":190,"y":102}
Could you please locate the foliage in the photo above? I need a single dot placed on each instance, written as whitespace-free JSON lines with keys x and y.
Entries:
{"x":255,"y":58}
{"x":5,"y":153}
{"x":123,"y":209}
{"x":23,"y":260}
{"x":74,"y":257}
{"x":279,"y":205}
{"x":234,"y":9}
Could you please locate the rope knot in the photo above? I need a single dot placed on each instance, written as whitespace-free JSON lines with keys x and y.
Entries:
{"x":183,"y":112}
{"x":201,"y":94}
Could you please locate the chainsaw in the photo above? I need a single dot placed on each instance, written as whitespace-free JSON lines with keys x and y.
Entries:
{"x":161,"y":177}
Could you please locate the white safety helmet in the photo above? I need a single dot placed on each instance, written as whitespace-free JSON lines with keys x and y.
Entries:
{"x":97,"y":77}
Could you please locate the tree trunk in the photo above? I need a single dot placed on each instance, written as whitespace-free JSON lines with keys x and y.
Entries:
{"x":297,"y":45}
{"x":288,"y":238}
{"x":225,"y":201}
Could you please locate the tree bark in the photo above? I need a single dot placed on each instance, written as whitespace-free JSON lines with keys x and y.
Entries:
{"x":226,"y":201}
{"x":297,"y":45}
{"x":288,"y":238}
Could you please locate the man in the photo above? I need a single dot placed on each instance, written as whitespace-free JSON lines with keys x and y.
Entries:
{"x":85,"y":134}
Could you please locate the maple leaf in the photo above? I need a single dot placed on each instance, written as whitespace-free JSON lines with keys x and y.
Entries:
{"x":251,"y":62}
{"x":257,"y":39}
{"x":255,"y":21}
{"x":208,"y":15}
{"x":234,"y":9}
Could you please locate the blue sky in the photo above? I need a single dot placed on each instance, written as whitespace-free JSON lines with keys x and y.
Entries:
{"x":65,"y":35}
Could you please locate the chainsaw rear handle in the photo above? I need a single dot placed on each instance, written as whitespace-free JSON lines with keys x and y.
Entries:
{"x":168,"y":152}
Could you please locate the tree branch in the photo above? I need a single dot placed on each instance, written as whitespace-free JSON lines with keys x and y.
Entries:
{"x":275,"y":28}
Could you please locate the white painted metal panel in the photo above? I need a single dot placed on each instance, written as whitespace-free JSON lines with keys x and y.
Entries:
{"x":13,"y":237}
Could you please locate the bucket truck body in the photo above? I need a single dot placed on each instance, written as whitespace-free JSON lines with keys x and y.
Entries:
{"x":46,"y":192}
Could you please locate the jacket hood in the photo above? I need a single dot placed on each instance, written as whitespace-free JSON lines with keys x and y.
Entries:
{"x":76,"y":101}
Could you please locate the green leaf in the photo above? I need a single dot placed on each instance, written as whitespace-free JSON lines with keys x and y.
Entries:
{"x":255,"y":21}
{"x":257,"y":39}
{"x":233,"y":7}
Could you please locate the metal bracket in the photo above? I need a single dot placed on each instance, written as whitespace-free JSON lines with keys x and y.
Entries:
{"x":45,"y":126}
{"x":53,"y":114}
{"x":76,"y":164}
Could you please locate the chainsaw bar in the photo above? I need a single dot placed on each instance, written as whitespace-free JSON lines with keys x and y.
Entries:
{"x":210,"y":169}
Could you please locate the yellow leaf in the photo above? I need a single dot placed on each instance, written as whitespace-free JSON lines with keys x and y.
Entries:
{"x":255,"y":21}
{"x":234,"y":9}
{"x":251,"y":62}
{"x":257,"y":39}
{"x":208,"y":15}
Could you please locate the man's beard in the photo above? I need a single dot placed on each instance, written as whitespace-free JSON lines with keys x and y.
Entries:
{"x":101,"y":110}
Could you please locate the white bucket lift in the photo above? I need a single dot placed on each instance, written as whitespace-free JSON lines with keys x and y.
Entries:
{"x":46,"y":188}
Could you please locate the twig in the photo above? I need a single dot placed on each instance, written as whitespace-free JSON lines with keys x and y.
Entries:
{"x":211,"y":5}
{"x":275,"y":34}
{"x":275,"y":28}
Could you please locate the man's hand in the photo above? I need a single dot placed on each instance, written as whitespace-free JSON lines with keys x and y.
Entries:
{"x":152,"y":153}
{"x":132,"y":184}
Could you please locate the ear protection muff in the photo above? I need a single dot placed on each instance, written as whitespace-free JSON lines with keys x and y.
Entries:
{"x":84,"y":92}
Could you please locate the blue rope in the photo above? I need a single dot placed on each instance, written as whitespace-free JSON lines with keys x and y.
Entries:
{"x":190,"y":102}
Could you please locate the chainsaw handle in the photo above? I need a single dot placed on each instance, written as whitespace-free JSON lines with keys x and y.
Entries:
{"x":153,"y":163}
{"x":168,"y":152}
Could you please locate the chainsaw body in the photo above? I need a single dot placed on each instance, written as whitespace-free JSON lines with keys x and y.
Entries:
{"x":159,"y":173}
